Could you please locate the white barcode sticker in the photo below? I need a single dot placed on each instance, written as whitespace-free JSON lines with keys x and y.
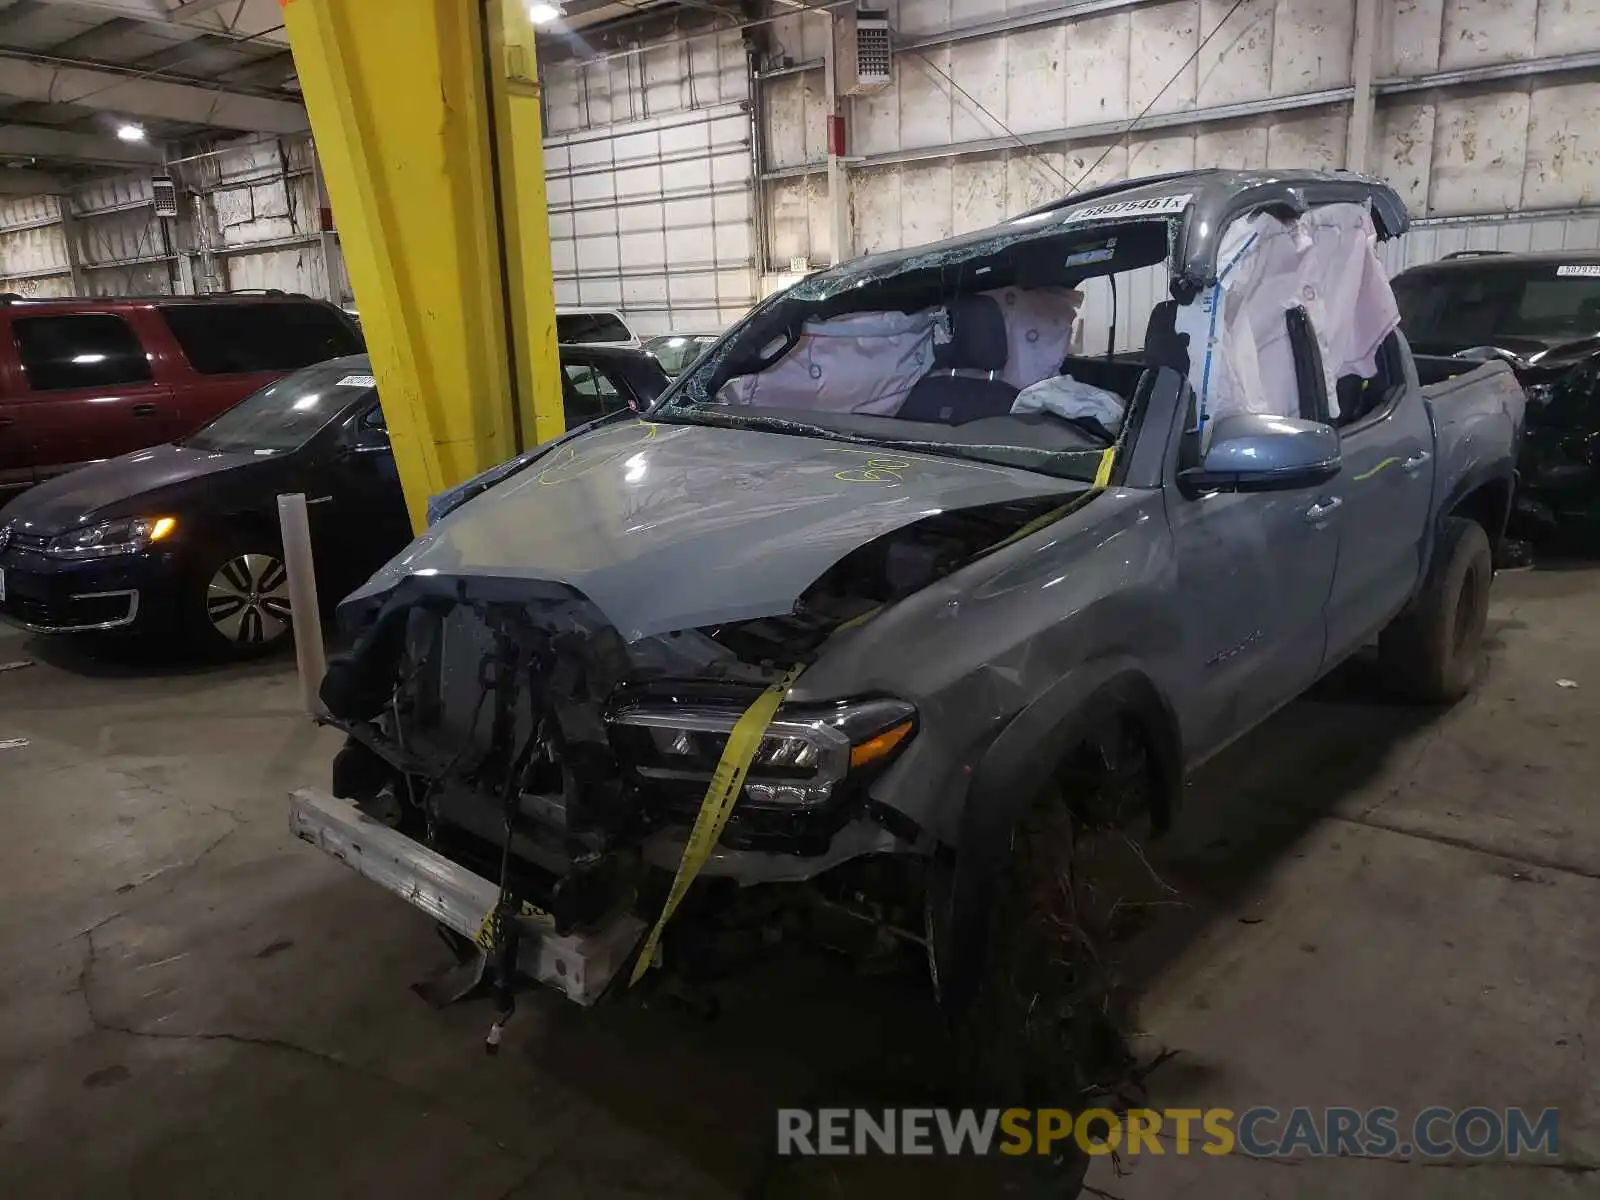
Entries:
{"x":1155,"y":206}
{"x":1578,"y":269}
{"x":360,"y":381}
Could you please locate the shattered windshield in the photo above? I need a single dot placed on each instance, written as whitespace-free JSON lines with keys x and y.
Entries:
{"x":1017,"y":348}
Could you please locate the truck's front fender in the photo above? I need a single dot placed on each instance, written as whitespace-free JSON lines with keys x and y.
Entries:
{"x":1019,"y":763}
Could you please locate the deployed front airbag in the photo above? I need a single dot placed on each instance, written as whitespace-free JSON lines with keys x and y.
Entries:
{"x":861,"y":363}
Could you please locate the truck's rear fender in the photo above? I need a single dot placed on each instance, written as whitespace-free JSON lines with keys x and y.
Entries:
{"x":1484,"y":496}
{"x":1019,"y":764}
{"x":1477,"y":425}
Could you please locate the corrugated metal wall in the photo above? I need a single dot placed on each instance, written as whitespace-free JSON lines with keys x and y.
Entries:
{"x":262,"y":220}
{"x":1433,"y":240}
{"x":1474,"y":114}
{"x":250,"y":218}
{"x":122,"y":248}
{"x":33,"y":248}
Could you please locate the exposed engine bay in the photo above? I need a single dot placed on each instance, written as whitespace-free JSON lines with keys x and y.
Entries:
{"x":508,"y":726}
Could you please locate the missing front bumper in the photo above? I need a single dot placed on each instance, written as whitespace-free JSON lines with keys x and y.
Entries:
{"x":580,"y":965}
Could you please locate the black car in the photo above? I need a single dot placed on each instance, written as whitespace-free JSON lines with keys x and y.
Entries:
{"x":182,"y":539}
{"x":1540,"y":312}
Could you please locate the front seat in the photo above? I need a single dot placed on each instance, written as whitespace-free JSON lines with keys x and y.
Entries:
{"x":965,"y":385}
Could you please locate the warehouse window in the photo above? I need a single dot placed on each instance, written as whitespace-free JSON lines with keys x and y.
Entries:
{"x":232,"y":339}
{"x":79,"y":352}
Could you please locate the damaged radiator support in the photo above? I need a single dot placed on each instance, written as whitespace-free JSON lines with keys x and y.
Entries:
{"x":495,"y":778}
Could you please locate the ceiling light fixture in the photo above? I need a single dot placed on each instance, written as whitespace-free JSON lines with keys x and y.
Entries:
{"x":542,"y":14}
{"x":129,"y":132}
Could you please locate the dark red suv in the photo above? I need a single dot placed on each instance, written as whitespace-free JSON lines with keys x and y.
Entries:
{"x":89,"y":379}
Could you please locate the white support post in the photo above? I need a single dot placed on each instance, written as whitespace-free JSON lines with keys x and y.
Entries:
{"x":327,"y":240}
{"x":69,"y":243}
{"x":1358,"y":146}
{"x":838,"y":179}
{"x":304,"y":611}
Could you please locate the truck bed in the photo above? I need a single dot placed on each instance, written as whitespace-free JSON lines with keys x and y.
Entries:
{"x":1475,"y":408}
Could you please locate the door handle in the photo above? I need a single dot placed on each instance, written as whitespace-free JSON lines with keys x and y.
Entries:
{"x":1416,"y":462}
{"x":1322,"y":510}
{"x":144,"y":410}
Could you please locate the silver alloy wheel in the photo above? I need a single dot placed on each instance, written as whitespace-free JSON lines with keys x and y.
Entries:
{"x":248,"y":599}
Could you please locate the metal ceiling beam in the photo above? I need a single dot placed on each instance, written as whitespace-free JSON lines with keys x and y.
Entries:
{"x":271,"y":72}
{"x":161,"y":99}
{"x":31,"y":183}
{"x":257,"y":19}
{"x":38,"y":141}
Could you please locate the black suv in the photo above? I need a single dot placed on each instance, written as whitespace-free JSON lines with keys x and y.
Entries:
{"x":1540,"y":312}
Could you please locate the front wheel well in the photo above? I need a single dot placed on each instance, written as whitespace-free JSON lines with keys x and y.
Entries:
{"x":250,"y":521}
{"x":1134,"y":704}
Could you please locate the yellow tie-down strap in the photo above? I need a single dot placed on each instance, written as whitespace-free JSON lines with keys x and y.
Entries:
{"x":727,"y":784}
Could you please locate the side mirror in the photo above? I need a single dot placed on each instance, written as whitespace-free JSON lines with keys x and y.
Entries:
{"x":366,"y":439}
{"x":1252,"y":452}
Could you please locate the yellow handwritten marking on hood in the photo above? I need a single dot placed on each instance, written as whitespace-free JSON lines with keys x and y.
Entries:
{"x":565,"y":465}
{"x":877,"y":469}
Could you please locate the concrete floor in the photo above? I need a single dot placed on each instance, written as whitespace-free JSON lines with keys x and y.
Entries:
{"x":1381,"y":906}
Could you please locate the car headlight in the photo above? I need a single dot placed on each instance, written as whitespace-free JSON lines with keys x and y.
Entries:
{"x":126,"y":536}
{"x":806,"y":754}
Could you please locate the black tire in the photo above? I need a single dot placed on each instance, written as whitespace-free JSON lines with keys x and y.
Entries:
{"x":235,"y":602}
{"x":1432,"y":652}
{"x":1049,"y":1018}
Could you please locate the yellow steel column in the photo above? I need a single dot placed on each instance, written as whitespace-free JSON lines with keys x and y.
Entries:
{"x":410,"y":121}
{"x":525,"y":220}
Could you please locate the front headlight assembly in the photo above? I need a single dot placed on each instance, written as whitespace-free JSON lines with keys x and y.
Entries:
{"x":806,"y":754}
{"x":130,"y":535}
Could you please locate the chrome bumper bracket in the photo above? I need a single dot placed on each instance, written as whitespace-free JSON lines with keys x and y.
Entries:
{"x":579,"y":965}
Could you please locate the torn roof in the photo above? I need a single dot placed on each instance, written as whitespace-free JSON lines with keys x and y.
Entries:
{"x":1200,"y":203}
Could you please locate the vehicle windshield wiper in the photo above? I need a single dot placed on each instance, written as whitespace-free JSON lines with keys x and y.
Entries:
{"x":731,"y":420}
{"x":1038,"y":460}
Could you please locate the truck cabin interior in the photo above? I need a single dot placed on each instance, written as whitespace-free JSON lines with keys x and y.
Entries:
{"x":984,"y":340}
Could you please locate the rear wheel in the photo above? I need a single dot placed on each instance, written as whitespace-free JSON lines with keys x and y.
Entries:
{"x":239,"y":598}
{"x":1433,"y":650}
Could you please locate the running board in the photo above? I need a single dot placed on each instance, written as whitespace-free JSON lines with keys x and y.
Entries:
{"x":580,"y":965}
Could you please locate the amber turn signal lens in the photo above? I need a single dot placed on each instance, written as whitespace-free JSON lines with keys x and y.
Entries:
{"x":874,"y":748}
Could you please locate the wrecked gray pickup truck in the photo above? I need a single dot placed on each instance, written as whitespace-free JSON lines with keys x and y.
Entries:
{"x":996,"y":583}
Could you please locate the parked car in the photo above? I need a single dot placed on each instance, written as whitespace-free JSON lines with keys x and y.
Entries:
{"x":182,"y":539}
{"x":88,"y":379}
{"x":894,"y":605}
{"x":1541,"y":314}
{"x":678,"y":351}
{"x":593,"y":326}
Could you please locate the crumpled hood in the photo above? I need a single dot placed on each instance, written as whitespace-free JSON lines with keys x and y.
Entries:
{"x":667,"y":527}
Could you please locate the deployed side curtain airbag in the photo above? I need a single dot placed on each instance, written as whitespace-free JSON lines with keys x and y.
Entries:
{"x":1326,"y":262}
{"x":861,"y":363}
